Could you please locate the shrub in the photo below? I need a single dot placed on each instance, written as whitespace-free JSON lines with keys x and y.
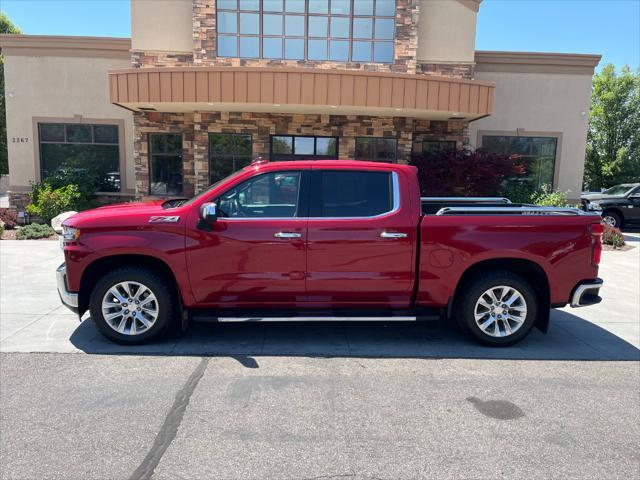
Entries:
{"x":463,"y":174}
{"x":612,"y":236}
{"x":9,"y":218}
{"x":76,"y":172}
{"x":34,"y":231}
{"x":516,"y":190}
{"x":547,"y":197}
{"x":48,"y":203}
{"x":1,"y":231}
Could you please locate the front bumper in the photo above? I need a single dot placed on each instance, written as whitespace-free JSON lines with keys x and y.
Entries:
{"x":69,"y":299}
{"x":587,"y":293}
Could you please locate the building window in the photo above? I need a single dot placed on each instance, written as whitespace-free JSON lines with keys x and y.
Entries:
{"x":316,"y":30}
{"x":228,"y":153}
{"x":289,"y":147}
{"x":376,"y":149}
{"x":537,"y":155}
{"x":91,"y":150}
{"x":434,"y":147}
{"x":165,"y":165}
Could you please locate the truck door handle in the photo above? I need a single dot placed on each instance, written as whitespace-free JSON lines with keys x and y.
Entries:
{"x":287,"y":235}
{"x":393,"y":235}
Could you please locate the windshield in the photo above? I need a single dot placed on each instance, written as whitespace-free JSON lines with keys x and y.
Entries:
{"x":618,"y":190}
{"x":211,"y":187}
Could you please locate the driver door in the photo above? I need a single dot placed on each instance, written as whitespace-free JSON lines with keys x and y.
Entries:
{"x":254,"y":254}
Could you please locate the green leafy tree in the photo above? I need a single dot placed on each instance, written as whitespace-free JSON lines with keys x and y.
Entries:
{"x":613,"y":139}
{"x":5,"y":27}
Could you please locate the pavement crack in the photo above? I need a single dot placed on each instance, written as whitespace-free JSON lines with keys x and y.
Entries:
{"x":172,"y":422}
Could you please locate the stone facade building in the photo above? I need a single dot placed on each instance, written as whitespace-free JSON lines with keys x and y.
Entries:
{"x":204,"y":86}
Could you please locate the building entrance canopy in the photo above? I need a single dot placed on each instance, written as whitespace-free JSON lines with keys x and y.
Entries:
{"x":288,"y":90}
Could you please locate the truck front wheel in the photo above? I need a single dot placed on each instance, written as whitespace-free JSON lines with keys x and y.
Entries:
{"x":497,"y":308}
{"x":132,"y":305}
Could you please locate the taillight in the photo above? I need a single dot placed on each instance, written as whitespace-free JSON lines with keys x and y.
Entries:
{"x":595,"y":229}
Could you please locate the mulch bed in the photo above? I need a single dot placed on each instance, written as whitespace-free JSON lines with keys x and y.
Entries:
{"x":624,"y":248}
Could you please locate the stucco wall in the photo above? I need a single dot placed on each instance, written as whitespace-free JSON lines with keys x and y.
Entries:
{"x":543,"y":102}
{"x":446,"y":31}
{"x":57,"y":87}
{"x":162,"y":25}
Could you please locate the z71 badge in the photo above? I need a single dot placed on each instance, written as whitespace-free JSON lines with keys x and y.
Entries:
{"x":164,"y":219}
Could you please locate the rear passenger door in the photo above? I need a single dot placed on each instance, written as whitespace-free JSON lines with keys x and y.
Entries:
{"x":360,"y":240}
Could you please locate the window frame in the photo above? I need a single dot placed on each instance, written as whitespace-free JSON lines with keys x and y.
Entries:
{"x":92,"y":122}
{"x":558,"y":136}
{"x":305,"y":37}
{"x":440,"y":142}
{"x":151,"y":154}
{"x":315,"y":191}
{"x":303,"y":196}
{"x":301,"y":157}
{"x":231,"y":157}
{"x":375,"y":149}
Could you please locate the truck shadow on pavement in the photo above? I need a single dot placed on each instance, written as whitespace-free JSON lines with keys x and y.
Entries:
{"x":569,"y":338}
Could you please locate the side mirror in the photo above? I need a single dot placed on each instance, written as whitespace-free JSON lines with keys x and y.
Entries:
{"x":209,"y":212}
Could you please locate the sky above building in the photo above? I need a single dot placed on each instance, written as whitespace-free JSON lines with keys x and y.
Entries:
{"x":607,"y":27}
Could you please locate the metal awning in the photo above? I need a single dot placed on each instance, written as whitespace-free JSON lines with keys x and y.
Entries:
{"x":300,"y":90}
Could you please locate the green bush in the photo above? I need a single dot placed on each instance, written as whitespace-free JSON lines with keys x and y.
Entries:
{"x":516,"y":190}
{"x":612,"y":236}
{"x":47,"y":202}
{"x":1,"y":231}
{"x":75,"y":172}
{"x":34,"y":231}
{"x":548,"y":197}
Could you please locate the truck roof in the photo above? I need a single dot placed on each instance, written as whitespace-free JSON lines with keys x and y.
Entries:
{"x":334,"y":164}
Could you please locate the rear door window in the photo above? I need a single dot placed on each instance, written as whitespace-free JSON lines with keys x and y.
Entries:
{"x":340,"y":194}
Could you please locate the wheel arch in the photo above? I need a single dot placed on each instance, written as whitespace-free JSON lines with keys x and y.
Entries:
{"x":527,"y":269}
{"x":103,"y":265}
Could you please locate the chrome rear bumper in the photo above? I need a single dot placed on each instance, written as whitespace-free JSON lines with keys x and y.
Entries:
{"x":587,"y":293}
{"x":69,"y":299}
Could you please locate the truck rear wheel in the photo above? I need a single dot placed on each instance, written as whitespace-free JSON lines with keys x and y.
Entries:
{"x":497,"y":308}
{"x":133,"y":305}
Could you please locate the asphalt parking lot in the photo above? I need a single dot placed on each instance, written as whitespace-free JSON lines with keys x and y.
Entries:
{"x":356,"y":401}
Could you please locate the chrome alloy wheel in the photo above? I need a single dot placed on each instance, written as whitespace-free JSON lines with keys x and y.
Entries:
{"x":610,"y":220}
{"x":130,"y":308}
{"x":500,"y":311}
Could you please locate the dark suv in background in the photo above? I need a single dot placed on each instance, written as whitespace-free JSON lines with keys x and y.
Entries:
{"x":620,"y":204}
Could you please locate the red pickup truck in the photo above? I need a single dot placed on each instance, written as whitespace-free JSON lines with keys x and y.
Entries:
{"x":327,"y":240}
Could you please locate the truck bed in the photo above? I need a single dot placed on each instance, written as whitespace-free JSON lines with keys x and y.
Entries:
{"x":456,"y":237}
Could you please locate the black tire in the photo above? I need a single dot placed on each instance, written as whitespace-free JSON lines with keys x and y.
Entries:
{"x":474,"y":289}
{"x":616,"y":218}
{"x":167,"y":303}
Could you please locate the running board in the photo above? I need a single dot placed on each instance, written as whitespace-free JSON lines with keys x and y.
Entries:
{"x":318,"y":319}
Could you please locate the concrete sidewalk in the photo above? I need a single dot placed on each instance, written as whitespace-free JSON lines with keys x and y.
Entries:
{"x":33,"y":320}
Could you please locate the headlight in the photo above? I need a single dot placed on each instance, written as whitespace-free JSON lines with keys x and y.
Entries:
{"x":70,"y":234}
{"x":594,"y":206}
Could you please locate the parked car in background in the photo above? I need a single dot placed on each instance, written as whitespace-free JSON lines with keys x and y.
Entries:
{"x":620,"y":205}
{"x":326,"y":241}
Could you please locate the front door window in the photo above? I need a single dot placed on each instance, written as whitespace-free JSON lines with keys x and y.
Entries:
{"x":272,"y":195}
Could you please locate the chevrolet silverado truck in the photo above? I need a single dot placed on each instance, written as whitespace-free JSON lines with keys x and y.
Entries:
{"x":325,"y":241}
